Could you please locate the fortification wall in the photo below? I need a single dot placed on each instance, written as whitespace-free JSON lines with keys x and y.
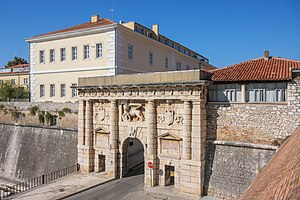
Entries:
{"x":29,"y":151}
{"x":232,"y":166}
{"x":39,"y":114}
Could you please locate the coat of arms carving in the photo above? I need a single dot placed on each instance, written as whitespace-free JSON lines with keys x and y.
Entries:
{"x":169,"y":116}
{"x":101,"y":113}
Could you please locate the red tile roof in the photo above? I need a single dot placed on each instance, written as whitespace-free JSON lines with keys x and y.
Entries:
{"x":260,"y":69}
{"x":280,"y":179}
{"x":87,"y":25}
{"x":20,"y":66}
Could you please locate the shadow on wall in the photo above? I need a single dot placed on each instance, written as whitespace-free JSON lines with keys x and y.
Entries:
{"x":212,"y":125}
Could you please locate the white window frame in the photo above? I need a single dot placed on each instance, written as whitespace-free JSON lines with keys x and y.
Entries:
{"x":25,"y":81}
{"x":63,"y":54}
{"x":167,"y":63}
{"x":74,"y":53}
{"x":52,"y":90}
{"x":130,"y":52}
{"x":86,"y":52}
{"x":42,"y":56}
{"x":74,"y":90}
{"x":178,"y":66}
{"x":99,"y":50}
{"x":52,"y":55}
{"x":150,"y":58}
{"x":42,"y":90}
{"x":63,"y":90}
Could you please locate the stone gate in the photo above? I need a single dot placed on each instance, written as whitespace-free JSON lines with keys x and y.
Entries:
{"x":164,"y":111}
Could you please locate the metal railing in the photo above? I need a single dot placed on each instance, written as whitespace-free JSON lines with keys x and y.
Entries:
{"x":7,"y":190}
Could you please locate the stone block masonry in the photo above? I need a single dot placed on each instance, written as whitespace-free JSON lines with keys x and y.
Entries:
{"x":19,"y":112}
{"x":231,"y":167}
{"x":255,"y":122}
{"x":27,"y":151}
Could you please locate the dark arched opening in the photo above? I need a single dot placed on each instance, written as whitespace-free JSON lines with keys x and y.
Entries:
{"x":132,"y":157}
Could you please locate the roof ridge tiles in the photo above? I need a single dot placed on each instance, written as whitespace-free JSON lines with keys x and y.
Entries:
{"x":81,"y":26}
{"x":258,"y":69}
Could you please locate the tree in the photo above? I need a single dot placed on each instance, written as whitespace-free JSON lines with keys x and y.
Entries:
{"x":16,"y":61}
{"x":10,"y":91}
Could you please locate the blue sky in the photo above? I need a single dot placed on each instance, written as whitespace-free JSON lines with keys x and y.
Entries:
{"x":225,"y":31}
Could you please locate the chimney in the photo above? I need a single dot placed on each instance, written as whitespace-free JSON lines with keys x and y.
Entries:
{"x":155,"y":29}
{"x":95,"y":18}
{"x":266,"y":55}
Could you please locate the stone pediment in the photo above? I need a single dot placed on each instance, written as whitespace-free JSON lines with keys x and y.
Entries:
{"x":169,"y":136}
{"x":101,"y":130}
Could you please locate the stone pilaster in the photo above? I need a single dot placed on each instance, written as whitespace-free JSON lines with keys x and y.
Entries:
{"x":89,"y":123}
{"x":88,"y":147}
{"x":81,"y":134}
{"x":187,"y":127}
{"x":113,"y":138}
{"x":81,"y":122}
{"x":151,"y":155}
{"x":243,"y":93}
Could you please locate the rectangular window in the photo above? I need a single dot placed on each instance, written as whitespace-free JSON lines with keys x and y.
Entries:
{"x":62,"y":54}
{"x":167,"y":63}
{"x":1,"y":81}
{"x":52,"y":55}
{"x":86,"y":49}
{"x":13,"y":81}
{"x":130,"y":52}
{"x":62,"y":90}
{"x":74,"y":90}
{"x":25,"y":81}
{"x":178,"y":66}
{"x":99,"y":50}
{"x":54,"y":120}
{"x":74,"y":53}
{"x":224,"y":93}
{"x":52,"y":90}
{"x":150,"y":58}
{"x":42,"y":57}
{"x":42,"y":90}
{"x":266,"y":92}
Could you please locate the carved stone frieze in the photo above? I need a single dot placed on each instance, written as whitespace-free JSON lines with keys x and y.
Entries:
{"x":132,"y":111}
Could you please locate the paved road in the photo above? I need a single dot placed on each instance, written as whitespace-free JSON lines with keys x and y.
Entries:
{"x":116,"y":189}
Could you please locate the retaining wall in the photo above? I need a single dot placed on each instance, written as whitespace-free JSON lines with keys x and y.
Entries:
{"x":29,"y":151}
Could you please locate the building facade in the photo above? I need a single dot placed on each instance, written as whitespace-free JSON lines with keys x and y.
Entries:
{"x":17,"y":75}
{"x":164,"y":112}
{"x":101,"y":48}
{"x":252,"y":108}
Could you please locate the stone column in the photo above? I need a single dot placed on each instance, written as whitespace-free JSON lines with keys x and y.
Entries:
{"x":151,"y":155}
{"x":243,"y":93}
{"x":81,"y":135}
{"x":81,"y":122}
{"x":187,"y":128}
{"x":89,"y":150}
{"x":113,"y":137}
{"x":89,"y":123}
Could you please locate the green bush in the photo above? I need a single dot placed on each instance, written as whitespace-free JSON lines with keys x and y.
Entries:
{"x":61,"y":113}
{"x":33,"y":110}
{"x":66,"y":110}
{"x":41,"y":118}
{"x":15,"y":114}
{"x":48,"y":117}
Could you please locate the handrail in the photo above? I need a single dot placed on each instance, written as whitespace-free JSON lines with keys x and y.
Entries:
{"x":40,"y":180}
